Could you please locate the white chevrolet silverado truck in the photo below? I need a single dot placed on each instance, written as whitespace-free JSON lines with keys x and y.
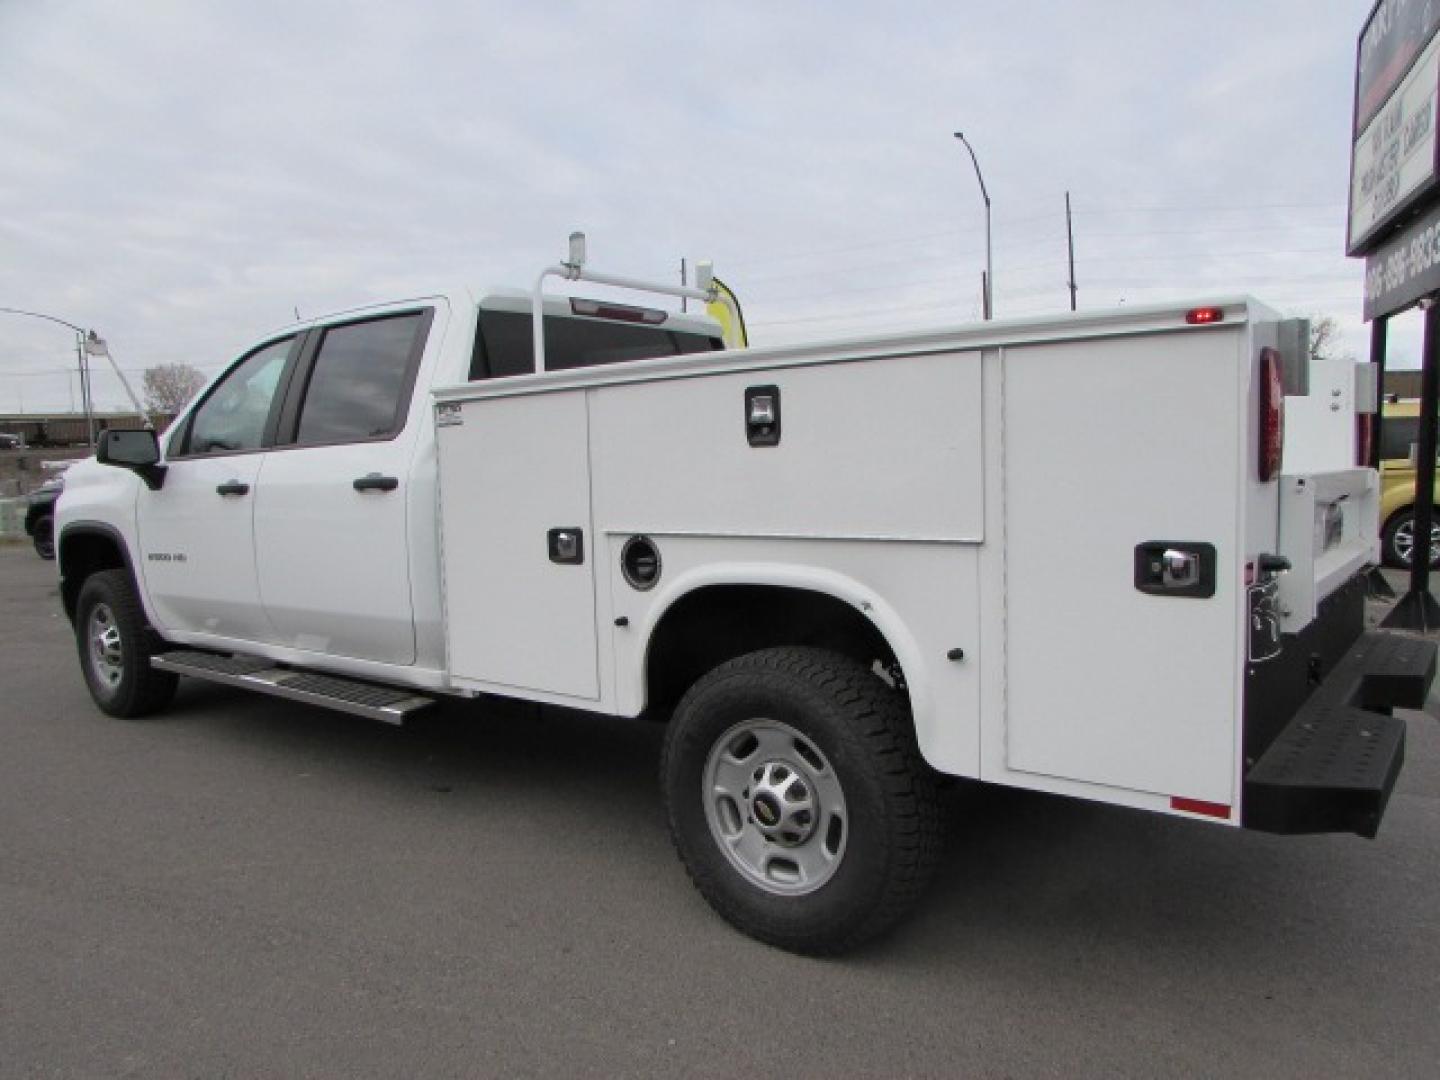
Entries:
{"x":1060,"y":554}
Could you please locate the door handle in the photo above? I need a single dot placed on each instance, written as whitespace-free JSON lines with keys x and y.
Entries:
{"x":375,"y":482}
{"x":233,"y":487}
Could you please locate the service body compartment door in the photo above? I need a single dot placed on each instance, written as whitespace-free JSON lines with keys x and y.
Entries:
{"x":514,"y":474}
{"x":1109,"y":445}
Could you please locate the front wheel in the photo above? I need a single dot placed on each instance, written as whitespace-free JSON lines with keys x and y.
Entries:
{"x":115,"y":643}
{"x":1398,"y":541}
{"x":798,"y":801}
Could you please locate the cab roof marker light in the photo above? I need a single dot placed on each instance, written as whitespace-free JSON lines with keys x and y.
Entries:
{"x":596,"y":309}
{"x":1205,"y":316}
{"x":575,"y":270}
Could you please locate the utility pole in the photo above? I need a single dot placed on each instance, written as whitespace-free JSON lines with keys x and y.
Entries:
{"x":1070,"y":241}
{"x":684,"y":281}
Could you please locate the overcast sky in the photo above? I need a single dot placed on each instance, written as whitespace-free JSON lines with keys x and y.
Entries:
{"x":185,"y":175}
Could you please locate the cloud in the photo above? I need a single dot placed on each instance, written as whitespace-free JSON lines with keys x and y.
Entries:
{"x":185,"y":175}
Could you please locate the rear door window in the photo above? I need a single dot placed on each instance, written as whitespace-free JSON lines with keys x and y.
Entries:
{"x":361,"y":379}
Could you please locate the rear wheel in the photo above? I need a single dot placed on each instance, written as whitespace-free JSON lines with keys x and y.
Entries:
{"x":44,"y":537}
{"x":798,"y":801}
{"x":115,"y":643}
{"x":1398,"y":540}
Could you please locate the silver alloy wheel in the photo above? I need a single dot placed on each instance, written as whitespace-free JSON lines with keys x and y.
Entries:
{"x":775,"y":807}
{"x":1405,"y":541}
{"x":107,"y":657}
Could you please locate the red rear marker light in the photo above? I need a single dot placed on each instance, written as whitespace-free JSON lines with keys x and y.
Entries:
{"x":1204,"y":316}
{"x":1272,"y":414}
{"x":1364,"y":439}
{"x":1198,"y":806}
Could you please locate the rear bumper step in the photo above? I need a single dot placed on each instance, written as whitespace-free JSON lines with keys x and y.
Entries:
{"x":1334,"y":765}
{"x":384,"y":703}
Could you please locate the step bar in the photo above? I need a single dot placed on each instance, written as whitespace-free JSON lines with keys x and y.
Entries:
{"x":384,"y":703}
{"x":1333,"y":767}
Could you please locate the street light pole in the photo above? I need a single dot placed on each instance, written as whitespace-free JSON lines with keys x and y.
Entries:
{"x":85,"y":400}
{"x":989,"y":298}
{"x":80,"y":363}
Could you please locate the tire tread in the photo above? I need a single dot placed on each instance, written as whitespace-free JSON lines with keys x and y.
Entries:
{"x":143,"y":690}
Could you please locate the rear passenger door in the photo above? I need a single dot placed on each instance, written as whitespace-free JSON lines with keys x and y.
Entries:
{"x":332,"y":500}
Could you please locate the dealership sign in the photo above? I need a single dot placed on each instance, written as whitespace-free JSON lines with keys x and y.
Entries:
{"x":1394,"y":169}
{"x":1405,"y":269}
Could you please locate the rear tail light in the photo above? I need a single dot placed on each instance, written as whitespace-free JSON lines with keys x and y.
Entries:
{"x":1272,"y":414}
{"x":1364,"y":439}
{"x":1204,"y":316}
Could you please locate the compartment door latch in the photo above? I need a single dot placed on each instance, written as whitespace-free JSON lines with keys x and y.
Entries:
{"x":1175,"y":568}
{"x":762,"y":415}
{"x":566,"y":546}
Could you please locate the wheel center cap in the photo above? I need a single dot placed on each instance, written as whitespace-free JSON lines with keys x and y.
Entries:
{"x":767,"y":810}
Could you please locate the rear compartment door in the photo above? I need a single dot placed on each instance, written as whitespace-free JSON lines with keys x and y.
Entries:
{"x":1110,"y":444}
{"x":518,"y":544}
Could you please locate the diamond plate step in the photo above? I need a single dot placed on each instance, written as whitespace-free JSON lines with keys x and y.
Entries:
{"x":385,"y":703}
{"x":1334,"y":765}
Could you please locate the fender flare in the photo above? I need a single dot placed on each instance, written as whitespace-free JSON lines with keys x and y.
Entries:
{"x":813,"y":579}
{"x":109,"y":532}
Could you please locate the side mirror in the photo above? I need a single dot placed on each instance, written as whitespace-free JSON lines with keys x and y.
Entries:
{"x":138,"y":451}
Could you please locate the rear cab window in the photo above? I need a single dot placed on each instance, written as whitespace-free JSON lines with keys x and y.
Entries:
{"x":504,"y":342}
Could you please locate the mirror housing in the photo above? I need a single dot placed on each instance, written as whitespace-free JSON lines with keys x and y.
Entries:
{"x":138,"y":451}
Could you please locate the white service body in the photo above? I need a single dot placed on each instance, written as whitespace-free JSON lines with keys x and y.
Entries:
{"x":976,"y":494}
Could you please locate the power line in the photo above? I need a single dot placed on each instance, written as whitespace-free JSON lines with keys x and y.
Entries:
{"x":1102,"y":210}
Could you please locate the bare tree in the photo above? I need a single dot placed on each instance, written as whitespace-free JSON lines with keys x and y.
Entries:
{"x":1325,"y":340}
{"x":168,"y":387}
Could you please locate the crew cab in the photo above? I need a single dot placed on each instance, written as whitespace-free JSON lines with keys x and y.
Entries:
{"x":1057,"y":553}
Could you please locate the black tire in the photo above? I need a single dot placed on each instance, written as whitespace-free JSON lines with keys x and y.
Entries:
{"x":119,"y":675}
{"x":1397,"y":539}
{"x":44,"y":537}
{"x":862,"y":731}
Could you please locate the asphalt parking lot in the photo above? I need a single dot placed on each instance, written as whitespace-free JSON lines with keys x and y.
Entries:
{"x":244,"y":887}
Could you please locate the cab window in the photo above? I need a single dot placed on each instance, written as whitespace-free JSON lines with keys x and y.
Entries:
{"x":360,"y":383}
{"x":234,"y":414}
{"x":505,"y":343}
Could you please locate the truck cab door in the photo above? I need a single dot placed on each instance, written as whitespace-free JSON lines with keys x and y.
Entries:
{"x":195,"y":532}
{"x":332,"y":504}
